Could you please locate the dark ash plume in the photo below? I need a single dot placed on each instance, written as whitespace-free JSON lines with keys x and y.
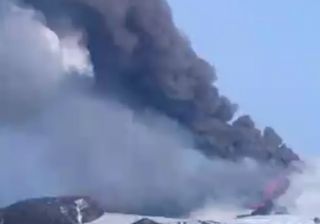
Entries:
{"x":138,"y":53}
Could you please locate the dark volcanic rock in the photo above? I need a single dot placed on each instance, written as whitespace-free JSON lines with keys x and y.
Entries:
{"x":145,"y":221}
{"x":52,"y":210}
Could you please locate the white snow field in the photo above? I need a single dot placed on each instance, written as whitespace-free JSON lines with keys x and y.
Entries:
{"x":110,"y":218}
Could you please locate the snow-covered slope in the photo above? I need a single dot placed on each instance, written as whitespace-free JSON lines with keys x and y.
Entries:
{"x":110,"y":218}
{"x":280,"y":219}
{"x":113,"y":218}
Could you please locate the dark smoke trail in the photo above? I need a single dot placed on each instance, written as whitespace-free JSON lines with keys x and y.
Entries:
{"x":139,"y":53}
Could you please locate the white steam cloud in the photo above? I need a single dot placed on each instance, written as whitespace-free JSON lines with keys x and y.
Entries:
{"x":303,"y":197}
{"x":29,"y":69}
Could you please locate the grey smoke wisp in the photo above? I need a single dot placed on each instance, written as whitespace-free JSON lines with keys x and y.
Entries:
{"x":149,"y":133}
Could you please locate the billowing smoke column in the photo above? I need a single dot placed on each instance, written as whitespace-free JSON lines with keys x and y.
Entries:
{"x":139,"y":54}
{"x":128,"y":141}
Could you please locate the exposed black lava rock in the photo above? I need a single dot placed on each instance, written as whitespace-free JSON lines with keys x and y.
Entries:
{"x":52,"y":210}
{"x":145,"y":221}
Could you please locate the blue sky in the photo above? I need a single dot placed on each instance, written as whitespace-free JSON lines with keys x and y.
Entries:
{"x":266,"y":54}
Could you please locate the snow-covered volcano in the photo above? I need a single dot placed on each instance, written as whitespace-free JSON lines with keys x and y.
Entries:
{"x":80,"y":210}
